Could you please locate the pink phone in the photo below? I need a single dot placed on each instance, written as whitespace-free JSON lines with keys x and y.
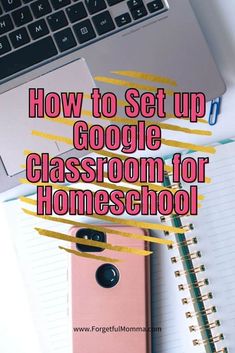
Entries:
{"x":110,"y":301}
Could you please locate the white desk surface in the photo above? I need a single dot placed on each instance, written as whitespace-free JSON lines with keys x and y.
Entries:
{"x":217,"y":20}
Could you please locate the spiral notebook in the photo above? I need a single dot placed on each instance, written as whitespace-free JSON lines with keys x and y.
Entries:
{"x":193,"y":288}
{"x":203,"y":261}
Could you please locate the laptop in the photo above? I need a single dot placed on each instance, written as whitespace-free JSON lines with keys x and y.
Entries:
{"x":118,"y":40}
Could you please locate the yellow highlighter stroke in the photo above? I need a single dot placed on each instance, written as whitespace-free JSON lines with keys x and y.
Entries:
{"x":129,"y":84}
{"x":104,"y":229}
{"x":118,"y":220}
{"x":81,"y":241}
{"x":122,"y":103}
{"x":110,"y":186}
{"x":168,"y":168}
{"x":146,"y":77}
{"x":119,"y":119}
{"x":172,"y":143}
{"x":89,"y":256}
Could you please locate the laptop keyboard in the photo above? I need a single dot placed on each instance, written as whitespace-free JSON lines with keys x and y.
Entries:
{"x":33,"y":32}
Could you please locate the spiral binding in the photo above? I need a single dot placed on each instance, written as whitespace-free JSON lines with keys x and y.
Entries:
{"x":193,"y":270}
{"x":203,"y":297}
{"x":208,"y":311}
{"x":187,"y":228}
{"x":214,"y":339}
{"x":165,"y":219}
{"x":198,"y":284}
{"x":192,"y":256}
{"x":211,"y":325}
{"x":176,"y":186}
{"x":191,"y":241}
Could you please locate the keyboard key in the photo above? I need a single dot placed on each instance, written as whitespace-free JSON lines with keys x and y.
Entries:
{"x":41,"y":8}
{"x":26,"y":57}
{"x":84,"y":31}
{"x":4,"y":45}
{"x":95,"y":6}
{"x":9,"y":5}
{"x":76,"y":12}
{"x":38,"y":29}
{"x":58,"y":4}
{"x":113,"y":2}
{"x":65,"y":39}
{"x":139,"y":13}
{"x":57,"y":20}
{"x":135,"y":4}
{"x":122,"y":20}
{"x":22,"y":16}
{"x":155,"y":6}
{"x":103,"y":22}
{"x":19,"y":37}
{"x":6,"y":24}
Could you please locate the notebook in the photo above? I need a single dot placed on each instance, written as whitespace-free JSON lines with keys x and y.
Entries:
{"x":45,"y":271}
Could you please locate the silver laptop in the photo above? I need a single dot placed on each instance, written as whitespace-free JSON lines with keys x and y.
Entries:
{"x":114,"y":37}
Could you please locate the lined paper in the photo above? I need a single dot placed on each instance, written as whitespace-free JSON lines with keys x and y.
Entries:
{"x":45,"y":269}
{"x":215,"y":230}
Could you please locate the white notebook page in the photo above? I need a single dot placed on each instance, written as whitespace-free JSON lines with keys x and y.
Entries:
{"x":215,"y":230}
{"x":45,"y":269}
{"x":167,"y":309}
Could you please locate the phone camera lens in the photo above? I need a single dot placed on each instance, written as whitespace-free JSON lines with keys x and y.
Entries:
{"x":107,"y":275}
{"x":97,"y":236}
{"x":90,"y":234}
